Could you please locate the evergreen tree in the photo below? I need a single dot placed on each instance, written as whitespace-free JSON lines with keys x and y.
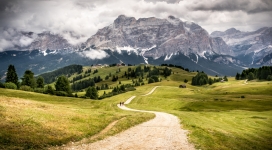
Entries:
{"x":12,"y":75}
{"x":40,"y":82}
{"x":250,"y":76}
{"x":63,"y":84}
{"x":28,"y":79}
{"x":237,"y":77}
{"x":200,"y":79}
{"x":50,"y":90}
{"x":92,"y":93}
{"x":225,"y":78}
{"x":210,"y":81}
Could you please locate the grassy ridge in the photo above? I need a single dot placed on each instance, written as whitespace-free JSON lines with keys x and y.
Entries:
{"x":216,"y":116}
{"x":35,"y":121}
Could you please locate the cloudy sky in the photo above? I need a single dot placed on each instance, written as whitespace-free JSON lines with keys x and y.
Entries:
{"x":83,"y":18}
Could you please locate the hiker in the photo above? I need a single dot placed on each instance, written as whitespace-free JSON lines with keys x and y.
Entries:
{"x":120,"y":103}
{"x":123,"y":103}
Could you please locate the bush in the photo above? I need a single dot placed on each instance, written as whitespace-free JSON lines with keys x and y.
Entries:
{"x":26,"y":88}
{"x":10,"y":85}
{"x":49,"y":90}
{"x":130,"y":89}
{"x":243,"y":96}
{"x":150,"y":81}
{"x":61,"y":93}
{"x":39,"y":90}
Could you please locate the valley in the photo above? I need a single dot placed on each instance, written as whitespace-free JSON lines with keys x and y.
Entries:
{"x":224,"y":115}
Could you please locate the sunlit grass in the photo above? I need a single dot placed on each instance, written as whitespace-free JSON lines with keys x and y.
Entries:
{"x":34,"y":121}
{"x":216,"y":116}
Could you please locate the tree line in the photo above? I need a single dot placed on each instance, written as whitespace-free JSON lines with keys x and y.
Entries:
{"x":202,"y":79}
{"x":262,"y":73}
{"x":68,"y":71}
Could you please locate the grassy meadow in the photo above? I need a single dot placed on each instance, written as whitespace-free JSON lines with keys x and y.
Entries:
{"x":230,"y":115}
{"x":36,"y":121}
{"x":216,"y":115}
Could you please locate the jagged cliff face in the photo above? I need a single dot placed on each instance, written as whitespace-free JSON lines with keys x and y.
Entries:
{"x":47,"y":40}
{"x":256,"y":45}
{"x":42,"y":41}
{"x":155,"y":37}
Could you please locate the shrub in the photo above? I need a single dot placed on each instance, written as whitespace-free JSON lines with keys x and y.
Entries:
{"x":130,"y":89}
{"x":242,"y":96}
{"x":26,"y":88}
{"x":39,"y":90}
{"x":50,"y":90}
{"x":10,"y":85}
{"x":150,"y":81}
{"x":61,"y":93}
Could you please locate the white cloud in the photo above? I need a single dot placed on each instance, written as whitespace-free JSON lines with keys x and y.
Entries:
{"x":5,"y":44}
{"x":94,"y":54}
{"x":77,"y":20}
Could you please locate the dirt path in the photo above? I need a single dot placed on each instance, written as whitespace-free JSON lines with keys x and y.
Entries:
{"x":163,"y":132}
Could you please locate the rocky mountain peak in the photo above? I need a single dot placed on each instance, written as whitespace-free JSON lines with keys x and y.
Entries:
{"x":232,"y":31}
{"x":122,"y":20}
{"x":155,"y":37}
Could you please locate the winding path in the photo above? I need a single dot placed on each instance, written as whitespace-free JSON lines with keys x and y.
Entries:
{"x":161,"y":133}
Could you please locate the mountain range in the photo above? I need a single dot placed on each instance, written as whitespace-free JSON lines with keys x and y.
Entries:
{"x":146,"y":40}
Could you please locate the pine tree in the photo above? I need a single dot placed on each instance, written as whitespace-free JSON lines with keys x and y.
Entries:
{"x":225,"y":78}
{"x":63,"y":84}
{"x":28,"y":79}
{"x":237,"y":77}
{"x":40,"y":82}
{"x":210,"y":81}
{"x":92,"y":93}
{"x":12,"y":75}
{"x":250,"y":76}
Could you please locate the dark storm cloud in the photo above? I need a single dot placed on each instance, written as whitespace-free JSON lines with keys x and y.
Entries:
{"x":248,"y":6}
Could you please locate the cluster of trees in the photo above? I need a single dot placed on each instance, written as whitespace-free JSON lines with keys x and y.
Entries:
{"x":68,"y":70}
{"x":262,"y":73}
{"x":118,"y":90}
{"x":202,"y":79}
{"x":77,"y":86}
{"x":29,"y":83}
{"x":177,"y":66}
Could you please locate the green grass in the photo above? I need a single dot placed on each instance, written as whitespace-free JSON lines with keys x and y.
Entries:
{"x":216,"y":116}
{"x":36,"y":121}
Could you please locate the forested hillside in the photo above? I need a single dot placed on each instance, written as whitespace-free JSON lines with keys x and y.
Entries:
{"x":67,"y":71}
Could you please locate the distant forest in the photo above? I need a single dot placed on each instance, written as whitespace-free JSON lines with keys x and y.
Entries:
{"x":262,"y":73}
{"x":67,"y":71}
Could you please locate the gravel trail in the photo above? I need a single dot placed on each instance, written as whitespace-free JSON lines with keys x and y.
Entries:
{"x":164,"y":132}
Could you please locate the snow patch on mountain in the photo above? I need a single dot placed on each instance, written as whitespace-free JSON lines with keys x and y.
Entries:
{"x":202,"y":54}
{"x":168,"y":57}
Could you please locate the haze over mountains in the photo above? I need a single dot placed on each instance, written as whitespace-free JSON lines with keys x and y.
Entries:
{"x":146,"y":40}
